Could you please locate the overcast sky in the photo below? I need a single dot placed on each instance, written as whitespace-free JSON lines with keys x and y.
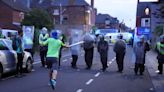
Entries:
{"x":124,"y":10}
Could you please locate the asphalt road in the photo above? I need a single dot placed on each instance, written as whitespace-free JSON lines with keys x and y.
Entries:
{"x":81,"y":80}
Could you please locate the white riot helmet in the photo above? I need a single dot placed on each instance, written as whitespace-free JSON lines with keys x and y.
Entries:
{"x":44,"y":30}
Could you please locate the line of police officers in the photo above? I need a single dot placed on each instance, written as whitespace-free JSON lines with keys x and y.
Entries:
{"x":140,"y":49}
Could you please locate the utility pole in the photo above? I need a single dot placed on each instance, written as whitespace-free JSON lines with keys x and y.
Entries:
{"x":61,"y":16}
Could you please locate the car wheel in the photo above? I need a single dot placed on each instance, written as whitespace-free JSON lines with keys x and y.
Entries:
{"x":1,"y":71}
{"x":29,"y":65}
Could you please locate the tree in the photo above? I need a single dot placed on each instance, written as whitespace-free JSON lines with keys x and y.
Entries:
{"x":158,"y":30}
{"x":39,"y":18}
{"x":159,"y":13}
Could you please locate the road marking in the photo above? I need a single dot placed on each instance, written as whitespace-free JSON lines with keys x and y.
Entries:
{"x":114,"y":59}
{"x":64,"y":60}
{"x":8,"y":78}
{"x":79,"y":90}
{"x":36,"y":62}
{"x":89,"y":81}
{"x":97,"y":74}
{"x":110,"y":62}
{"x":151,"y":89}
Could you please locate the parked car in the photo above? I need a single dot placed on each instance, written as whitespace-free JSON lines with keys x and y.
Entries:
{"x":8,"y":58}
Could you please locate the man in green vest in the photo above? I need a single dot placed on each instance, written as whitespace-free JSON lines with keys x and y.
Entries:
{"x":54,"y":45}
{"x":160,"y":57}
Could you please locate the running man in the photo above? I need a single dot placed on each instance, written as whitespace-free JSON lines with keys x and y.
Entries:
{"x":52,"y":57}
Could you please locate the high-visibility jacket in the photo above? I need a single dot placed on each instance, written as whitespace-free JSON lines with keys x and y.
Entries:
{"x":43,"y":38}
{"x":160,"y":48}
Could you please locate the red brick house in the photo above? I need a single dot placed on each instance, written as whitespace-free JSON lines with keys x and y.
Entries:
{"x":104,"y":21}
{"x":75,"y":12}
{"x":12,"y":13}
{"x":69,"y":14}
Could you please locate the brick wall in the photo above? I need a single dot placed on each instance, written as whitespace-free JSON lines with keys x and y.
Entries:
{"x":5,"y":14}
{"x":73,"y":15}
{"x":76,"y":15}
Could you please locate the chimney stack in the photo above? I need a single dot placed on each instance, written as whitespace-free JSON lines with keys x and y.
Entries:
{"x":92,"y":3}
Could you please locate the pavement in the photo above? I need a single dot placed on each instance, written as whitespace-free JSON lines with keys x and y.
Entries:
{"x":152,"y":67}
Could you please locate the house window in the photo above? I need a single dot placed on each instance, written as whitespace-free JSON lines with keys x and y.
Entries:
{"x":65,"y":19}
{"x":56,"y":12}
{"x":145,"y":22}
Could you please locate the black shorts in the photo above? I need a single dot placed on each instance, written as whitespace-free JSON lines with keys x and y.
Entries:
{"x":52,"y":63}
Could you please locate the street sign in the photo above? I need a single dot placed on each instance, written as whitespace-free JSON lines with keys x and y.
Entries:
{"x":143,"y":31}
{"x":145,"y":22}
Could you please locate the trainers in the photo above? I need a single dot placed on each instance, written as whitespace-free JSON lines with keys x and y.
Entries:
{"x":53,"y":83}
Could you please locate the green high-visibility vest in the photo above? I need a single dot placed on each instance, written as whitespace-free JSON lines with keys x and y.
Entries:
{"x":160,"y":48}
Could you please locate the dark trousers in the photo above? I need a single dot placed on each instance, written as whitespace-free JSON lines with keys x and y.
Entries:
{"x":160,"y":67}
{"x":140,"y":67}
{"x":43,"y":54}
{"x":74,"y":60}
{"x":104,"y":59}
{"x":89,"y":57}
{"x":59,"y":60}
{"x":19,"y":68}
{"x":60,"y":55}
{"x":120,"y":61}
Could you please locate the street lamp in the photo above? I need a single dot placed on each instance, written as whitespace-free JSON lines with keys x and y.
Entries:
{"x":60,"y":14}
{"x":61,"y":11}
{"x":147,"y":11}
